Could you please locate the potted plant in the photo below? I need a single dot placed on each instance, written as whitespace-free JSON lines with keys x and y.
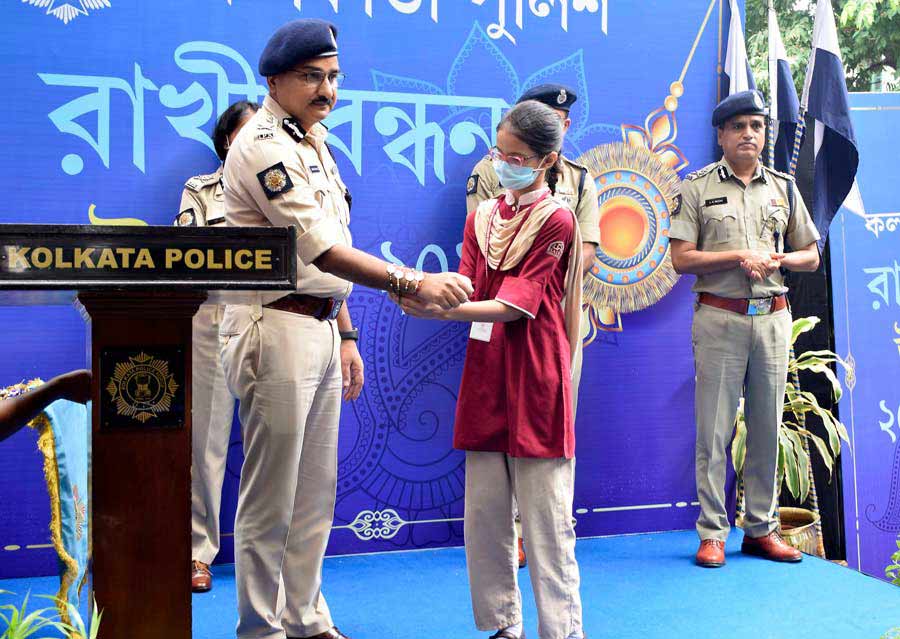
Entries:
{"x":794,"y":468}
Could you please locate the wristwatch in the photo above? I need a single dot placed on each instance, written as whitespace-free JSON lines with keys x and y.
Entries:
{"x":353,"y":334}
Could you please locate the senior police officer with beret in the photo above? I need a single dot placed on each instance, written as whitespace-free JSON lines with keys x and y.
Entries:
{"x":283,"y":355}
{"x":730,"y":229}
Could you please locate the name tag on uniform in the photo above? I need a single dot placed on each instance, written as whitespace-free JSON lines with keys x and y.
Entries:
{"x":481,"y":331}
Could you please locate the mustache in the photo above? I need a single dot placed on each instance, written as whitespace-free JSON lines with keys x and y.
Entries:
{"x":323,"y":101}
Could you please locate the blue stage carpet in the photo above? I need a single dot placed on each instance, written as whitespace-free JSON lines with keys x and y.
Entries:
{"x":641,"y":586}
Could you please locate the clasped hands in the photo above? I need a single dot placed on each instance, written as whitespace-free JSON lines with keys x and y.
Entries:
{"x":438,"y":293}
{"x":758,"y":265}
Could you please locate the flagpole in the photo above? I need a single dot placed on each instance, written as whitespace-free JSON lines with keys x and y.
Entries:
{"x":798,"y":139}
{"x":773,"y":89}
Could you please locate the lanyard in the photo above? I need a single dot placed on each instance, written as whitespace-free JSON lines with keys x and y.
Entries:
{"x":488,"y":274}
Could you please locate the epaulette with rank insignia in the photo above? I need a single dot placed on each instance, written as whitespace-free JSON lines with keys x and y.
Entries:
{"x":199,"y":181}
{"x":706,"y":170}
{"x":572,"y":162}
{"x":786,"y":176}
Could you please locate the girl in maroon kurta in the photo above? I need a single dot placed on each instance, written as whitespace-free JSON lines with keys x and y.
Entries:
{"x":514,"y":416}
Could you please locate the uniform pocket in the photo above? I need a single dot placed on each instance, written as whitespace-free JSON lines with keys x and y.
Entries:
{"x":775,"y":219}
{"x":721,"y":225}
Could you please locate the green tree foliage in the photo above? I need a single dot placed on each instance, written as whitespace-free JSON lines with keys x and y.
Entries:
{"x":868,"y":32}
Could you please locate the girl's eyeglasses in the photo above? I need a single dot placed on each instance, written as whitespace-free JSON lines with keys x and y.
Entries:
{"x":512,"y":159}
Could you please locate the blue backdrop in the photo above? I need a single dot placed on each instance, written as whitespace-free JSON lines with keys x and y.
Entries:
{"x":109,"y":109}
{"x":866,"y":277}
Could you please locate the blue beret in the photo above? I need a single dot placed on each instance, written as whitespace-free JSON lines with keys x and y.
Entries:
{"x":295,"y":42}
{"x":740,"y":103}
{"x":558,"y":96}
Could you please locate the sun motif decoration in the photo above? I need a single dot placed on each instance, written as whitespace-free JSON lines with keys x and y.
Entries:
{"x":636,"y":193}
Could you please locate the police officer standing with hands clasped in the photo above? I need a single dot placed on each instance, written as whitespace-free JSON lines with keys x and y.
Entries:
{"x":729,"y":230}
{"x":284,"y":355}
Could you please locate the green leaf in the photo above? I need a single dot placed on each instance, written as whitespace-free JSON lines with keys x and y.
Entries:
{"x":739,"y":446}
{"x":824,"y":453}
{"x":802,"y":325}
{"x":791,"y":474}
{"x":803,"y":469}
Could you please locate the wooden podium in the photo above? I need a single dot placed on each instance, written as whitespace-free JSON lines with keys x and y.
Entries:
{"x":138,"y":289}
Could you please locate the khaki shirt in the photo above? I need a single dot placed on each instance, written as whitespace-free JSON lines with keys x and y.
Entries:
{"x":719,"y":213}
{"x":276,"y":174}
{"x":484,"y":184}
{"x":202,"y":201}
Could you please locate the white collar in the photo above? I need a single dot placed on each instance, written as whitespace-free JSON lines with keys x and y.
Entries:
{"x":529,"y":198}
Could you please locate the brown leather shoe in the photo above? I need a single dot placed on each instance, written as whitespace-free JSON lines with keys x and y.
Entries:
{"x":522,"y":558}
{"x":331,"y":633}
{"x":201,"y":577}
{"x":772,"y":547}
{"x":711,"y":553}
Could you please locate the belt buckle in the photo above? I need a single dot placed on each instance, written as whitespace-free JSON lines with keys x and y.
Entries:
{"x":761,"y":306}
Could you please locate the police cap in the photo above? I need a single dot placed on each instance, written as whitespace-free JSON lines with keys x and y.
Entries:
{"x":740,"y":103}
{"x":295,"y":42}
{"x":557,"y":96}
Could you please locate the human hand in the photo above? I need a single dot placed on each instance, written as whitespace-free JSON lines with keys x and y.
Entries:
{"x":758,"y":265}
{"x":419,"y":308}
{"x":446,"y":290}
{"x":351,"y":370}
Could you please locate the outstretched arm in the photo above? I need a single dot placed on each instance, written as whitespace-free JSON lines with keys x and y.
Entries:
{"x":18,"y":411}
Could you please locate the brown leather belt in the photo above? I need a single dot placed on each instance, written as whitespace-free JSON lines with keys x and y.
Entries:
{"x":322,"y":308}
{"x":752,"y":306}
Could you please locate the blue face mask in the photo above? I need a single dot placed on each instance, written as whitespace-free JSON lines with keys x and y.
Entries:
{"x":515,"y":178}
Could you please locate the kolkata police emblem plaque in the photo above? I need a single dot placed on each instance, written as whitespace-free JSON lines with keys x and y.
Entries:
{"x":637,"y":194}
{"x":141,"y":389}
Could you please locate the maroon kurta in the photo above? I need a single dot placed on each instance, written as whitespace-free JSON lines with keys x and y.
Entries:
{"x":516,"y":394}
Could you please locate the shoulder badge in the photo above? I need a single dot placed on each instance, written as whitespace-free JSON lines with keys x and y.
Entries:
{"x":186,"y":218}
{"x":676,"y":205}
{"x":293,"y":129}
{"x":472,"y":184}
{"x":556,"y":249}
{"x":706,"y":170}
{"x":275,"y":180}
{"x":197,"y":182}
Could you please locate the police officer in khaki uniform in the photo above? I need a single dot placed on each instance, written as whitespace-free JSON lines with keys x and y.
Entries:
{"x":730,"y":231}
{"x":283,"y":354}
{"x":203,"y":204}
{"x":571,"y":184}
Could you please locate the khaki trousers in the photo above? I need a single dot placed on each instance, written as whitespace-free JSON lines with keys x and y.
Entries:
{"x":211,"y":417}
{"x":545,"y":490}
{"x":737,"y":353}
{"x":285,"y":370}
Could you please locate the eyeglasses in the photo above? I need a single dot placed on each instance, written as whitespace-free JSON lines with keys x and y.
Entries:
{"x":512,"y":160}
{"x":315,"y":78}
